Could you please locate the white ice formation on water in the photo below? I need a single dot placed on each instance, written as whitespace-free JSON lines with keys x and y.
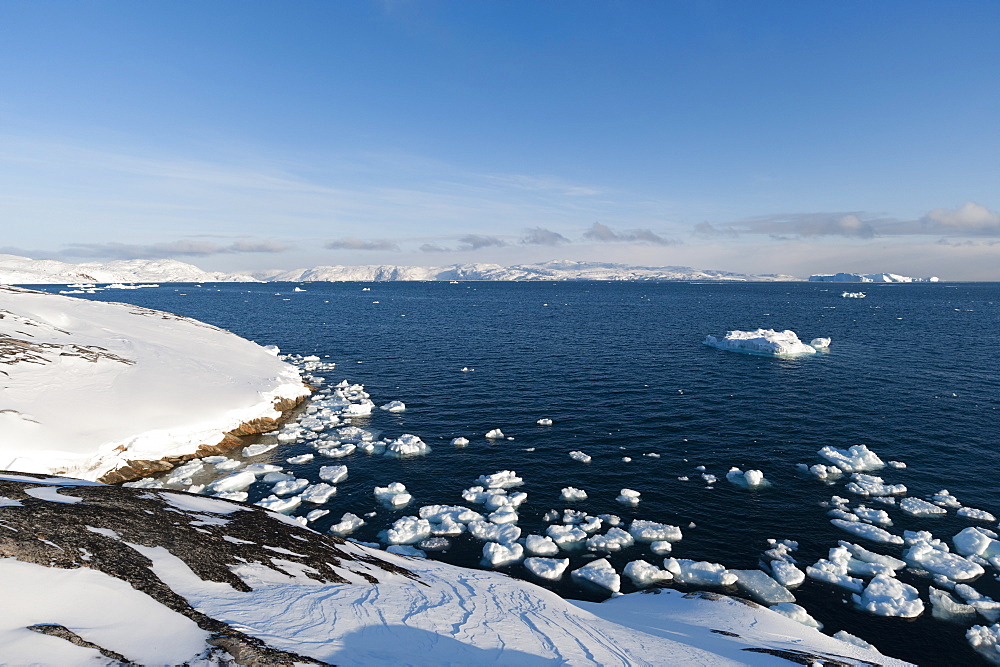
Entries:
{"x":857,"y":458}
{"x":767,"y":342}
{"x":751,"y":479}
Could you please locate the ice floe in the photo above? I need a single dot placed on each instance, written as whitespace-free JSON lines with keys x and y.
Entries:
{"x":888,"y":596}
{"x":644,"y":574}
{"x":571,"y":494}
{"x":550,"y":569}
{"x":751,"y":479}
{"x":921,"y":508}
{"x":699,"y":573}
{"x":857,"y":458}
{"x":766,"y":342}
{"x":600,"y":573}
{"x":628,"y":497}
{"x":393,"y":495}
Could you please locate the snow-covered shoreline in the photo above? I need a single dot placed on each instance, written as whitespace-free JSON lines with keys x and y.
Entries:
{"x":89,"y":386}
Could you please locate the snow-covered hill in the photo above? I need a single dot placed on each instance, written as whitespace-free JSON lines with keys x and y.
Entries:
{"x":554,"y":270}
{"x":23,"y":271}
{"x":96,"y":573}
{"x":88,"y":386}
{"x":16,"y":270}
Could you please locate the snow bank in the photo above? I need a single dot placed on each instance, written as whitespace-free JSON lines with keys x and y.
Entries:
{"x":75,"y":368}
{"x":766,"y":342}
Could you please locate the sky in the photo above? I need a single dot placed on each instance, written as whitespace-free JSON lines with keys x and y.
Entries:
{"x":762,"y":137}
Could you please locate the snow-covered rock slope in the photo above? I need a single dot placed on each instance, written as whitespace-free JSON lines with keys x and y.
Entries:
{"x":96,"y":572}
{"x":16,"y":270}
{"x":87,"y":385}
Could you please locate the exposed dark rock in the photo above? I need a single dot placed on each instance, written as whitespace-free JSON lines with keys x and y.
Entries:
{"x":62,"y":632}
{"x":65,"y":535}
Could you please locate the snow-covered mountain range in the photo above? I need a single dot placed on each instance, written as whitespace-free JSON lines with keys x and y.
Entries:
{"x":869,"y":278}
{"x":24,"y":271}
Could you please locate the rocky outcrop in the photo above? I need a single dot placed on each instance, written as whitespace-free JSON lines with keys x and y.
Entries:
{"x":73,"y":524}
{"x":137,"y":469}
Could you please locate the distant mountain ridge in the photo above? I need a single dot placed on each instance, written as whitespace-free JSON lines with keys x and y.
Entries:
{"x":16,"y":270}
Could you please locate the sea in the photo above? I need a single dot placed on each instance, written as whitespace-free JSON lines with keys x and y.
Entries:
{"x":621,"y":370}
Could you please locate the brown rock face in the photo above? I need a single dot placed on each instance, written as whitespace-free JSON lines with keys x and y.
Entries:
{"x":232,"y":440}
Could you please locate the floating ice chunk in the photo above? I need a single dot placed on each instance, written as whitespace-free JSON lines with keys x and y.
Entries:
{"x":822,"y":472}
{"x":565,"y":535}
{"x":867,"y":531}
{"x":406,"y":550}
{"x":282,"y":505}
{"x":650,"y":531}
{"x":751,"y":479}
{"x":699,"y":573}
{"x":820,"y":343}
{"x":989,"y":608}
{"x":318,"y":493}
{"x":945,"y":499}
{"x":541,"y":545}
{"x":591,"y":524}
{"x":455,"y":513}
{"x":544,"y":421}
{"x":275,"y":477}
{"x":407,"y":445}
{"x":237,"y":481}
{"x":302,"y":458}
{"x":502,"y":479}
{"x":574,"y":517}
{"x":985,"y":640}
{"x":496,"y":554}
{"x":579,"y":456}
{"x":922,"y":508}
{"x":844,"y":515}
{"x":976,"y":514}
{"x":857,"y":458}
{"x":615,"y":539}
{"x":571,"y":494}
{"x":975,"y":542}
{"x":394,"y":495}
{"x":333,"y":474}
{"x":877,"y":517}
{"x":316,"y":514}
{"x":937,"y":561}
{"x":787,"y":574}
{"x":492,"y":532}
{"x":887,"y":596}
{"x":240,"y":496}
{"x":261,"y":468}
{"x":256,"y":450}
{"x":645,"y":574}
{"x":601,"y":573}
{"x":709,"y":478}
{"x":394,"y":406}
{"x":435,"y":544}
{"x":362,"y":409}
{"x":338,"y":452}
{"x":610,"y":519}
{"x":289,"y":486}
{"x":408,"y":530}
{"x":796,"y":613}
{"x":899,"y":465}
{"x":460,"y":441}
{"x":503,"y":515}
{"x":762,"y":588}
{"x":870,"y":485}
{"x":834,"y":571}
{"x":860,"y":553}
{"x":763,"y":341}
{"x":495,"y":434}
{"x":628,"y":497}
{"x":661,"y":548}
{"x":944,"y":607}
{"x":550,"y":569}
{"x":227,"y":464}
{"x":347,"y":525}
{"x":356,"y":434}
{"x":845,"y":636}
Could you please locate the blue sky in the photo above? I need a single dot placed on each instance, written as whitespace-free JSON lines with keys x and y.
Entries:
{"x":792,"y":137}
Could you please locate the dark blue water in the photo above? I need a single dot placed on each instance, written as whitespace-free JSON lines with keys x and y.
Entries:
{"x":620,"y":369}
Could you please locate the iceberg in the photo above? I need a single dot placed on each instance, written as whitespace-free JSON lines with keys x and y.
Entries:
{"x":767,"y":342}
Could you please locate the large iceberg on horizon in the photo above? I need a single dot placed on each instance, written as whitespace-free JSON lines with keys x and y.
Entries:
{"x":766,"y":342}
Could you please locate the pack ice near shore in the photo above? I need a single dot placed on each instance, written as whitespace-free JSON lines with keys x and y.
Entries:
{"x":152,"y":576}
{"x":89,"y":385}
{"x":767,"y":342}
